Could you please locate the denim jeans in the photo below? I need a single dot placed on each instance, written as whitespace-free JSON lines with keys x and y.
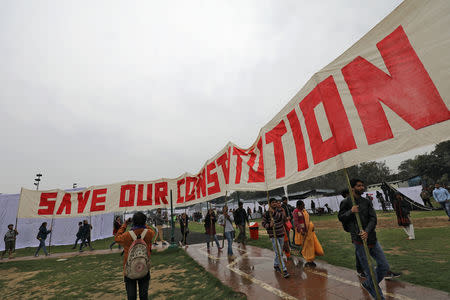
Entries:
{"x":41,"y":245}
{"x":215,"y":239}
{"x":380,"y":271}
{"x":229,"y":236}
{"x":143,"y":283}
{"x":276,"y":262}
{"x":446,"y":206}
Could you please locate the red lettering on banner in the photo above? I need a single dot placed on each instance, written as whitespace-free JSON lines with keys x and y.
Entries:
{"x":224,"y":162}
{"x":140,"y":197}
{"x":98,"y":196}
{"x":258,"y":175}
{"x":190,"y":194}
{"x":200,"y":185}
{"x":65,"y":204}
{"x":161,"y":193}
{"x":274,"y":136}
{"x":180,"y":199}
{"x":82,"y":200}
{"x":46,"y":202}
{"x":408,"y":90}
{"x":124,"y":202}
{"x":212,"y":178}
{"x":238,"y":153}
{"x":342,"y":139}
{"x":302,"y":161}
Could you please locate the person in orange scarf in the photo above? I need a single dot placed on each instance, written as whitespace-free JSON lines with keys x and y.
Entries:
{"x":305,"y":235}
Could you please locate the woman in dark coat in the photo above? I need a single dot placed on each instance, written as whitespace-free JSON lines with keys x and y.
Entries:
{"x":402,"y":210}
{"x":210,"y":228}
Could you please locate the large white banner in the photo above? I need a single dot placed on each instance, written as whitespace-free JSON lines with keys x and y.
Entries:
{"x":387,"y":94}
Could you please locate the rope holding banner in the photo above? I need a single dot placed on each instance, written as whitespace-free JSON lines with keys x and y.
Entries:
{"x":274,"y":233}
{"x":366,"y":249}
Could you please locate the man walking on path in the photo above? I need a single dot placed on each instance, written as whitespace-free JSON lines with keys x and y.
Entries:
{"x":86,"y":235}
{"x":126,"y":240}
{"x":274,"y":219}
{"x":79,"y":234}
{"x":442,"y":196}
{"x":240,"y":220}
{"x":367,"y":232}
{"x":10,"y":241}
{"x":42,"y":236}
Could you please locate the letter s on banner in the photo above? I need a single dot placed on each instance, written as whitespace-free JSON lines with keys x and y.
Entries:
{"x":48,"y":203}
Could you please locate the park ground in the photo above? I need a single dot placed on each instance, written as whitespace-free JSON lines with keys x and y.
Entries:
{"x":175,"y":275}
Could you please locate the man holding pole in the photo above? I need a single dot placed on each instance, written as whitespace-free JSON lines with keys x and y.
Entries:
{"x":273,"y":221}
{"x":367,"y":233}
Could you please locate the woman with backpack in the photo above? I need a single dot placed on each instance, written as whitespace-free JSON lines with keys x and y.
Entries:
{"x":136,"y":262}
{"x":210,"y":228}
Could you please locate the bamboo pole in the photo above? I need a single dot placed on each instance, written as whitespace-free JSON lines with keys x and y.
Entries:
{"x":366,"y":249}
{"x":50,"y":239}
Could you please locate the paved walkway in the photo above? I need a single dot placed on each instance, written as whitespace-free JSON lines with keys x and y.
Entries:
{"x":252,"y":273}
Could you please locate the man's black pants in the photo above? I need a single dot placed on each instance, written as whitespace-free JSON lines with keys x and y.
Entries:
{"x":143,"y":283}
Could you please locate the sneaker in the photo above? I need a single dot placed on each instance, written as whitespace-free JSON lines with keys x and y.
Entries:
{"x":362,"y":275}
{"x":392,"y":275}
{"x":155,"y":244}
{"x":364,"y":286}
{"x":164,"y":243}
{"x":277,"y":268}
{"x":36,"y":255}
{"x":310,"y":264}
{"x":285,"y":274}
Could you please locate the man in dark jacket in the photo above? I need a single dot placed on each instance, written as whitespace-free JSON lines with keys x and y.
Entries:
{"x":240,"y":218}
{"x":79,"y":234}
{"x":86,"y":235}
{"x":367,"y":232}
{"x":273,"y":220}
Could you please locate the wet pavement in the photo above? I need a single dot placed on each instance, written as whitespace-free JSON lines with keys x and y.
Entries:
{"x":252,"y":273}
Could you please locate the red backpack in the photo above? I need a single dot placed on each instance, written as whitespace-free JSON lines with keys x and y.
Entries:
{"x":138,"y":261}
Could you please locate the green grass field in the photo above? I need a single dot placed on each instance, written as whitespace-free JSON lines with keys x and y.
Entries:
{"x":174,"y":275}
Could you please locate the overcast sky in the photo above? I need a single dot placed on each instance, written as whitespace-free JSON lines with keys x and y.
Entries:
{"x":97,"y":92}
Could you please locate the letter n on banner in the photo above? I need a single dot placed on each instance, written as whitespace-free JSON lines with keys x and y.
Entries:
{"x":408,"y":90}
{"x":342,"y":139}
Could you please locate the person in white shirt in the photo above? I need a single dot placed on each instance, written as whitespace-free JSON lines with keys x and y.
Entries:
{"x":442,"y":196}
{"x":226,"y":220}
